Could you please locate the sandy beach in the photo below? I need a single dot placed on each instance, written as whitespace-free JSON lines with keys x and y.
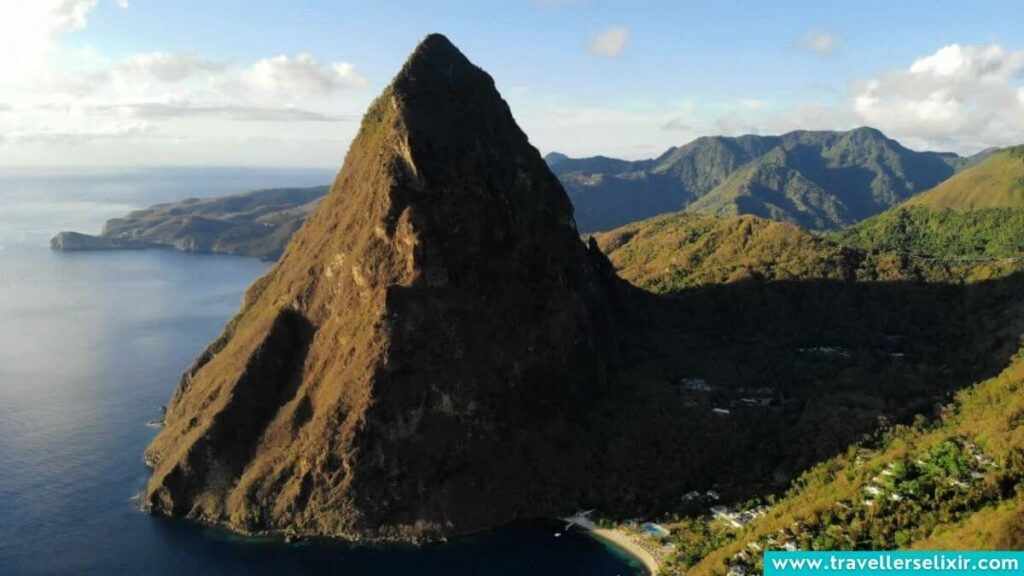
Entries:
{"x":622,"y":540}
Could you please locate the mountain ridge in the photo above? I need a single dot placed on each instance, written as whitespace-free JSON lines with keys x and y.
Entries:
{"x":803,"y":177}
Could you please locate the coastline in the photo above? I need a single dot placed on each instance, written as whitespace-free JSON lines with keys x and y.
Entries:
{"x":621,"y":540}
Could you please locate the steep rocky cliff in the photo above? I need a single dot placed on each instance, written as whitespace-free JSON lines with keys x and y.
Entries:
{"x":422,"y":360}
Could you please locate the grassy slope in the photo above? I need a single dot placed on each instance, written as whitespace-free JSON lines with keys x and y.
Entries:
{"x":979,"y":213}
{"x":997,"y":182}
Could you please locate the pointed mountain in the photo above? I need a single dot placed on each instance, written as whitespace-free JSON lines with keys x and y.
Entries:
{"x":419,"y":361}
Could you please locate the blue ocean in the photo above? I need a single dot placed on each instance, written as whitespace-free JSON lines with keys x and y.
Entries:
{"x":92,"y":344}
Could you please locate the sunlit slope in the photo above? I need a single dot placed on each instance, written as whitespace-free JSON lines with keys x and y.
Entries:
{"x":997,"y":182}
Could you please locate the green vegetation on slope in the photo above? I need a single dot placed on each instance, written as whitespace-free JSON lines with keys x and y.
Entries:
{"x":676,"y":251}
{"x":979,"y":213}
{"x":996,"y":182}
{"x":679,"y":251}
{"x":986,"y":233}
{"x":955,"y":483}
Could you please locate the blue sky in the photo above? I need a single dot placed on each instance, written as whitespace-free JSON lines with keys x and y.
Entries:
{"x":203,"y":82}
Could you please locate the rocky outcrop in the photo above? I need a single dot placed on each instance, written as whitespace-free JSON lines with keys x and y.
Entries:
{"x":423,"y":359}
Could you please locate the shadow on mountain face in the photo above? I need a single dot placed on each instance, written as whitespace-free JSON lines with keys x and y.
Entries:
{"x":803,"y":369}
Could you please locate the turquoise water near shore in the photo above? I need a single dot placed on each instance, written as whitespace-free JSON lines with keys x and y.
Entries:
{"x":91,"y":345}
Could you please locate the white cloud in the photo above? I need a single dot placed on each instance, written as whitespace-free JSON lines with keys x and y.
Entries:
{"x":303,"y":73}
{"x":76,"y":135}
{"x":123,"y":3}
{"x":30,"y":30}
{"x":819,"y":42}
{"x":138,"y":75}
{"x":166,"y":67}
{"x":961,"y":97}
{"x":609,"y":43}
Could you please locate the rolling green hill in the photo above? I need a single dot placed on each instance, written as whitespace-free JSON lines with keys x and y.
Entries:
{"x":996,"y":182}
{"x":988,"y":233}
{"x":819,"y":180}
{"x":979,"y":213}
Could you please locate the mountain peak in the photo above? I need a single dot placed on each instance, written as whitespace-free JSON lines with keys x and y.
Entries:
{"x":437,"y":48}
{"x":437,"y":309}
{"x":436,"y":67}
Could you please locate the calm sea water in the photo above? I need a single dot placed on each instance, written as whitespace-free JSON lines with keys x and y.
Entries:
{"x":91,"y":344}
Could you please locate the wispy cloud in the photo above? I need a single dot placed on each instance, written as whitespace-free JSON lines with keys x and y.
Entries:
{"x":820,"y":42}
{"x":610,"y":43}
{"x":677,"y":124}
{"x":158,"y":111}
{"x":76,"y":136}
{"x":284,"y":74}
{"x":166,"y":66}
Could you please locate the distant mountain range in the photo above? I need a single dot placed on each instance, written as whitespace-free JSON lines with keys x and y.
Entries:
{"x":257,"y":224}
{"x":819,"y":180}
{"x":975,"y":217}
